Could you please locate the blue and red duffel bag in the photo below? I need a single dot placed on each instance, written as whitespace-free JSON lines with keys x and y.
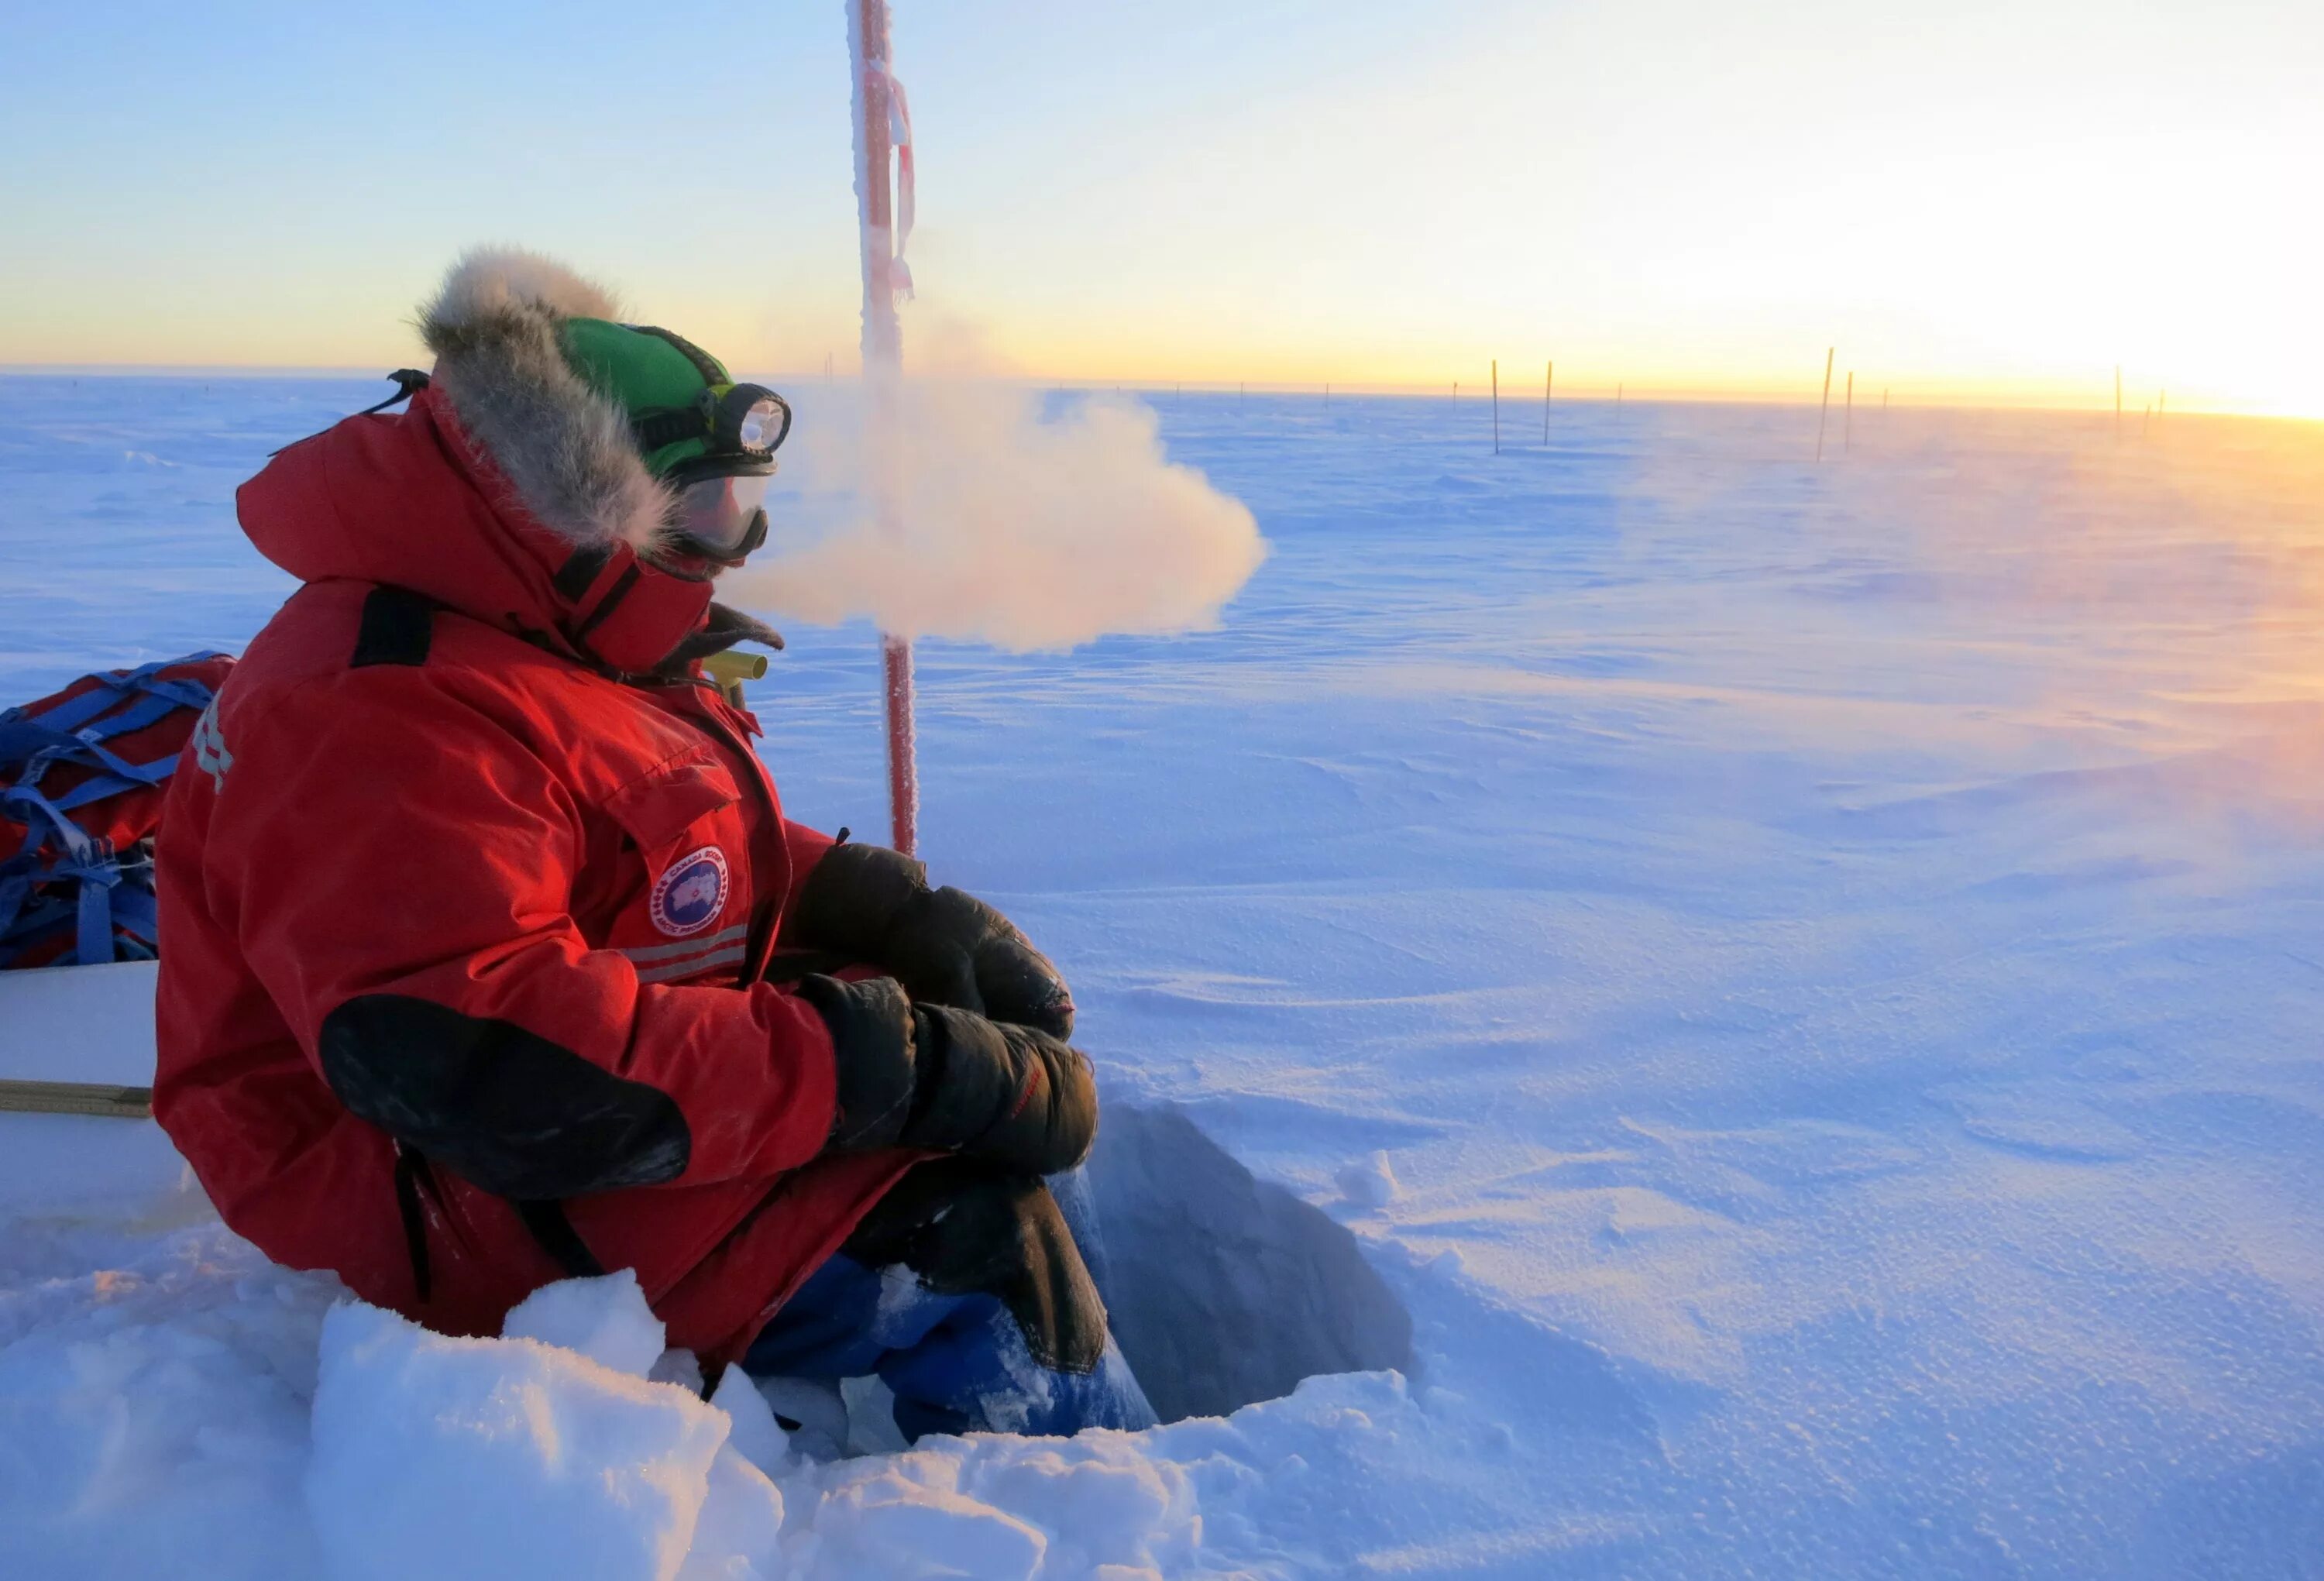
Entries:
{"x":82,"y":774}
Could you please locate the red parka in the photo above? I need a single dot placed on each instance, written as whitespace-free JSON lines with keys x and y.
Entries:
{"x":463,"y":924}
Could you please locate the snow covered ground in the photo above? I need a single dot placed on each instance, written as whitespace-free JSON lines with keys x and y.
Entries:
{"x":1781,"y":1001}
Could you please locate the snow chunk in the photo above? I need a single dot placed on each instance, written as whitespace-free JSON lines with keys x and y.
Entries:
{"x":756,"y":1435}
{"x":888,"y":1525}
{"x":815,"y":1405}
{"x":1369,"y":1182}
{"x":681,"y":1368}
{"x":605,"y":1318}
{"x":996,"y":1508}
{"x":739,"y":1537}
{"x":453,"y":1457}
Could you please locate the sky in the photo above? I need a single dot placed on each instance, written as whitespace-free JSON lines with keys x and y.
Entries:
{"x":1979,"y":201}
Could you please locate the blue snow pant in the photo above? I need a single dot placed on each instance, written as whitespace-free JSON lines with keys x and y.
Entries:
{"x":967,"y":1291}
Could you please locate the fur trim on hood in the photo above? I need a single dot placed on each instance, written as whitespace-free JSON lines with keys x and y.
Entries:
{"x":565,"y":448}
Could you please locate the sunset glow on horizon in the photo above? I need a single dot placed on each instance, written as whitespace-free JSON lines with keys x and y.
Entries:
{"x":2000,"y":204}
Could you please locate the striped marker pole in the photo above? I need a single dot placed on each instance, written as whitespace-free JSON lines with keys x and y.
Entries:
{"x":882,"y":135}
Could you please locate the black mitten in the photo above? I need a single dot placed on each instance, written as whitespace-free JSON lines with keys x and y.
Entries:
{"x":872,"y":1053}
{"x":945,"y":945}
{"x":990,"y":1089}
{"x":951,"y":1081}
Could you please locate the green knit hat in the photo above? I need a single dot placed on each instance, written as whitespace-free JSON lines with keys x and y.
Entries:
{"x":689,"y":418}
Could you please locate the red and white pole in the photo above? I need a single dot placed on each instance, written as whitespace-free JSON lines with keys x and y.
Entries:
{"x":882,"y":134}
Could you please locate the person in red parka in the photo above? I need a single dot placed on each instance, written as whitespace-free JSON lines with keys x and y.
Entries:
{"x":490,"y":958}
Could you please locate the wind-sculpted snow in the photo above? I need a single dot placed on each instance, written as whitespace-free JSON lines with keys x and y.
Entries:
{"x":1780,"y":1000}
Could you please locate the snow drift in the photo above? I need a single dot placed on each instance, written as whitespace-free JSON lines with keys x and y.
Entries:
{"x":1775,"y":969}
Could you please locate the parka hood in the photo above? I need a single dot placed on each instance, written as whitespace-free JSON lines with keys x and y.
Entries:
{"x":509,"y":490}
{"x":497,"y":330}
{"x":408,"y":500}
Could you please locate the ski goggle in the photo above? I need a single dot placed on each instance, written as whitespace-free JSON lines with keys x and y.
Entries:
{"x":724,"y":517}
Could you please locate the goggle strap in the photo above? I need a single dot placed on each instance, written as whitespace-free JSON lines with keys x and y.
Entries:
{"x":668,"y":425}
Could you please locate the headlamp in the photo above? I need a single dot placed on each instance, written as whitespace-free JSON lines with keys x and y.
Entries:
{"x":749,"y":419}
{"x":730,"y":433}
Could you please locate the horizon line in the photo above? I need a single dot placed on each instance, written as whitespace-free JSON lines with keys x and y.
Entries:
{"x":1939,"y":396}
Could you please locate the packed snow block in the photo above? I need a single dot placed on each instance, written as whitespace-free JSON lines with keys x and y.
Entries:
{"x":452,"y":1458}
{"x":889,"y":1524}
{"x":993,"y":1507}
{"x":87,"y":1024}
{"x":1368,"y":1184}
{"x":755,"y":1434}
{"x":814,"y":1404}
{"x":1224,"y":1289}
{"x":738,"y":1535}
{"x":1103,"y":1507}
{"x":605,"y":1318}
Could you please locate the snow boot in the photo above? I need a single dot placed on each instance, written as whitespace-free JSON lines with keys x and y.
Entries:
{"x":964,"y":1293}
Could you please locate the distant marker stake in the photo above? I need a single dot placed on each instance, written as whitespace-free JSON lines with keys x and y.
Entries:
{"x":1824,"y":410}
{"x":1497,"y":406}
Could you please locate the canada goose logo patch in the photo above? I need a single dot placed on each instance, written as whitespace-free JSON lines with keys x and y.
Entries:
{"x":689,"y":897}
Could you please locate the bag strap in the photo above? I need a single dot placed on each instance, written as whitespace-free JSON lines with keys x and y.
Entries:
{"x":73,"y":712}
{"x":75,"y":839}
{"x":72,"y":730}
{"x":16,"y":877}
{"x":114,"y":912}
{"x":93,"y":937}
{"x":24,"y":925}
{"x":136,"y":919}
{"x":86,"y":745}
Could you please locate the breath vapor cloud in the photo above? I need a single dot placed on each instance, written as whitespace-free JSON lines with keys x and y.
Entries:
{"x":966,"y":511}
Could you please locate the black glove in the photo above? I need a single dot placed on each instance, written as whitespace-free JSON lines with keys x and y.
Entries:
{"x":946,"y":946}
{"x":951,"y":1081}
